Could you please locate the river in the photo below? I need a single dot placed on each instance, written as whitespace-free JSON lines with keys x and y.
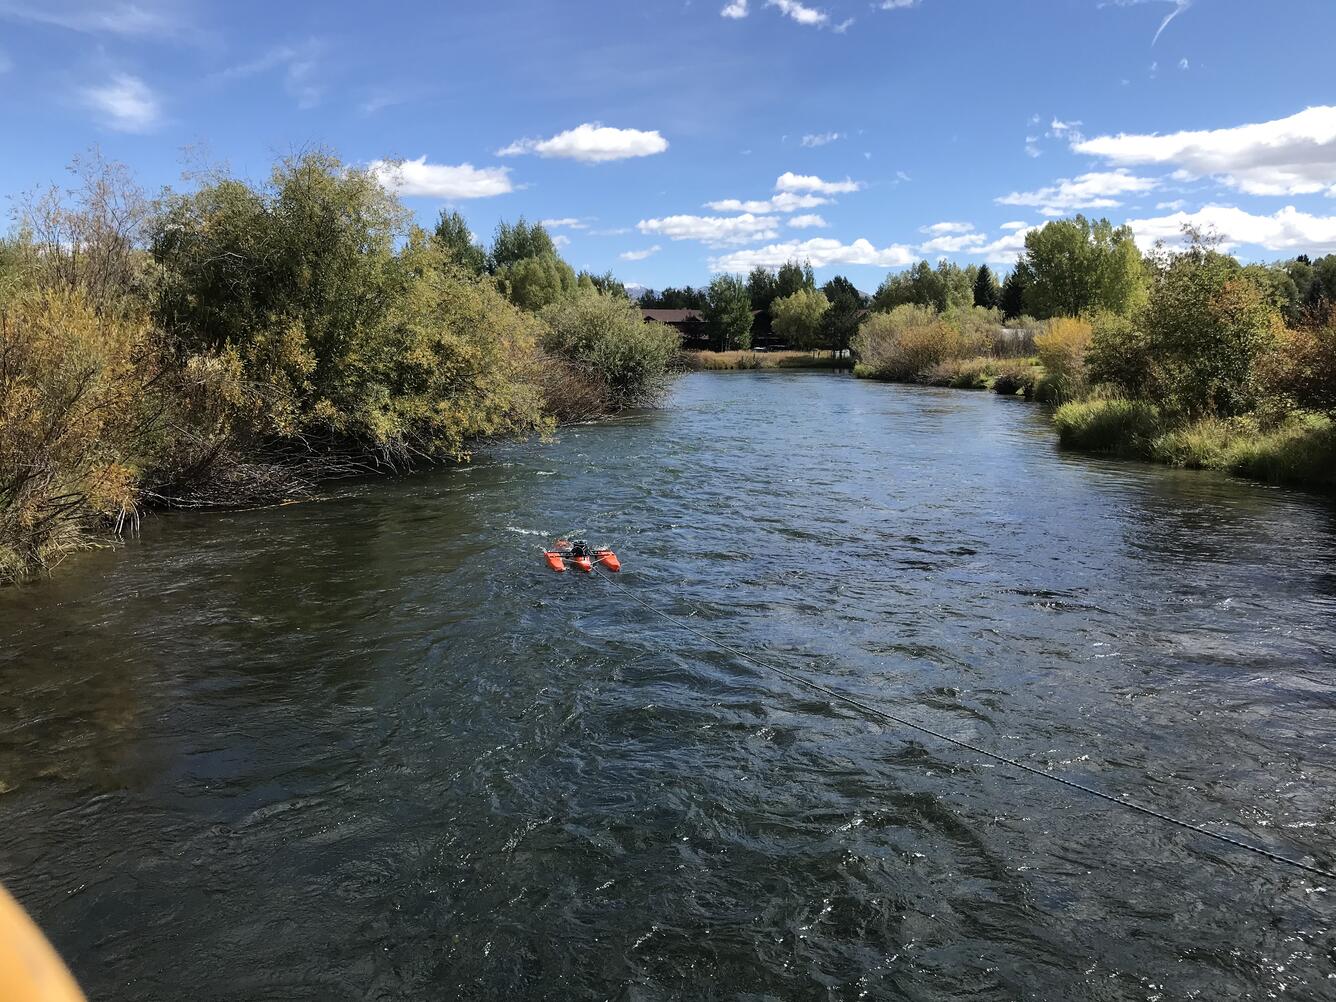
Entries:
{"x":370,"y":748}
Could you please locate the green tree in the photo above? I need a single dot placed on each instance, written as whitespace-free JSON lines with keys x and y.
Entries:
{"x":1076,"y":266}
{"x":1014,"y":292}
{"x":517,"y":241}
{"x":797,"y":317}
{"x":608,"y":284}
{"x":793,"y":277}
{"x":455,"y":238}
{"x":986,"y":291}
{"x":847,"y":308}
{"x":763,"y":287}
{"x":946,"y":287}
{"x":1207,"y":324}
{"x":532,"y":283}
{"x":728,"y":311}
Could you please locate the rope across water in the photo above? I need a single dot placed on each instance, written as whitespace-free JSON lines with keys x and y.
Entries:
{"x":884,"y":716}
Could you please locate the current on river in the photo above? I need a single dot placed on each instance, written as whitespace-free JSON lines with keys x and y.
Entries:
{"x":370,"y":748}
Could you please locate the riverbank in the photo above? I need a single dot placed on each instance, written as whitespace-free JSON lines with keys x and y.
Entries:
{"x":240,"y":344}
{"x":719,"y":361}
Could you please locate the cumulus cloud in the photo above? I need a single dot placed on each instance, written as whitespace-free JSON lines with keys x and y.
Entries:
{"x":125,"y":103}
{"x":1097,"y":190}
{"x":591,"y":143}
{"x":1286,"y":230}
{"x":1288,"y":156}
{"x":736,"y":9}
{"x":417,"y":177}
{"x":820,"y":251}
{"x":715,"y":231}
{"x":821,"y":139}
{"x":789,"y":181}
{"x":809,"y":221}
{"x":798,"y":12}
{"x":1006,"y":248}
{"x":561,"y":240}
{"x":1014,"y":225}
{"x":565,"y":223}
{"x":898,"y":4}
{"x":640,"y":255}
{"x":953,"y":244}
{"x":785,"y":201}
{"x":942,"y":229}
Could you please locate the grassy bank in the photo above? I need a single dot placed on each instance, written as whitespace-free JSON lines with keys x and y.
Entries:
{"x":1297,"y":449}
{"x":716,"y":361}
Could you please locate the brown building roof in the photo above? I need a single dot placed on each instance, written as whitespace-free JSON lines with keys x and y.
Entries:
{"x":673,"y":316}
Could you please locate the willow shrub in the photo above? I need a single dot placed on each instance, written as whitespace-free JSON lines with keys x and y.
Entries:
{"x":605,"y":338}
{"x":1062,"y":351}
{"x":904,"y":343}
{"x":72,"y":387}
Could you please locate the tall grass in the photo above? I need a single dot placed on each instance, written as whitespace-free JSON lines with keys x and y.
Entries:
{"x":728,"y":360}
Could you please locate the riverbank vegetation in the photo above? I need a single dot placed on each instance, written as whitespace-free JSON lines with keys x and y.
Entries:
{"x":238,"y":343}
{"x":1185,"y":357}
{"x":718,"y":361}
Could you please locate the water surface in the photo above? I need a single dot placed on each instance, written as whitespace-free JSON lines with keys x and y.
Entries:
{"x":370,"y":749}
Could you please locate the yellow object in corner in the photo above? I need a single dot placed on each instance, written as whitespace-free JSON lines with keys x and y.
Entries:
{"x":30,"y":970}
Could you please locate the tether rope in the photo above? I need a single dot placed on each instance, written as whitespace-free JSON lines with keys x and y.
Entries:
{"x":885,"y":716}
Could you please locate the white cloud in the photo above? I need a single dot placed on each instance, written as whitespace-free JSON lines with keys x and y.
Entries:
{"x":785,"y":201}
{"x":1286,"y":230}
{"x":953,"y":244}
{"x":898,"y":4}
{"x":565,"y":223}
{"x":417,"y":177}
{"x":640,"y":255}
{"x":808,"y":222}
{"x":821,"y":139}
{"x":1098,"y":190}
{"x":125,"y":102}
{"x":713,"y":230}
{"x":942,"y":229}
{"x":821,"y":251}
{"x":736,"y":9}
{"x":1184,"y":65}
{"x":1173,"y":206}
{"x":789,"y":181}
{"x":1014,"y":225}
{"x":795,"y":10}
{"x":1006,"y":248}
{"x":1288,"y":156}
{"x":561,"y":240}
{"x":591,"y":143}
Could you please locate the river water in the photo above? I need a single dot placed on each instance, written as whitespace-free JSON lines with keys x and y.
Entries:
{"x":371,"y":749}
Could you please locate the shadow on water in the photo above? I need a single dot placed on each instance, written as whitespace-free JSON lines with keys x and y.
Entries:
{"x":369,"y":749}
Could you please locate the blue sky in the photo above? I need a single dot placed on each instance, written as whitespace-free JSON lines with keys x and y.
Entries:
{"x":669,"y":139}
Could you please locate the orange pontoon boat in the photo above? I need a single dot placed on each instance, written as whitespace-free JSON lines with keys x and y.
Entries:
{"x":579,"y":554}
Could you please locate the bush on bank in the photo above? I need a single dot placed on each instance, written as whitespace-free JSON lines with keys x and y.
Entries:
{"x":238,"y":343}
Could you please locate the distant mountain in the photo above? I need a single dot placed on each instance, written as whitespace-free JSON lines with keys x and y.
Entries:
{"x":636,"y":291}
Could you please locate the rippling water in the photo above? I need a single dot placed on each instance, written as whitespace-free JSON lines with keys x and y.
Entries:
{"x":370,"y":748}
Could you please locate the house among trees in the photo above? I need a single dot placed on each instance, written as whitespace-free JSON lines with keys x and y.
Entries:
{"x":690,"y":324}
